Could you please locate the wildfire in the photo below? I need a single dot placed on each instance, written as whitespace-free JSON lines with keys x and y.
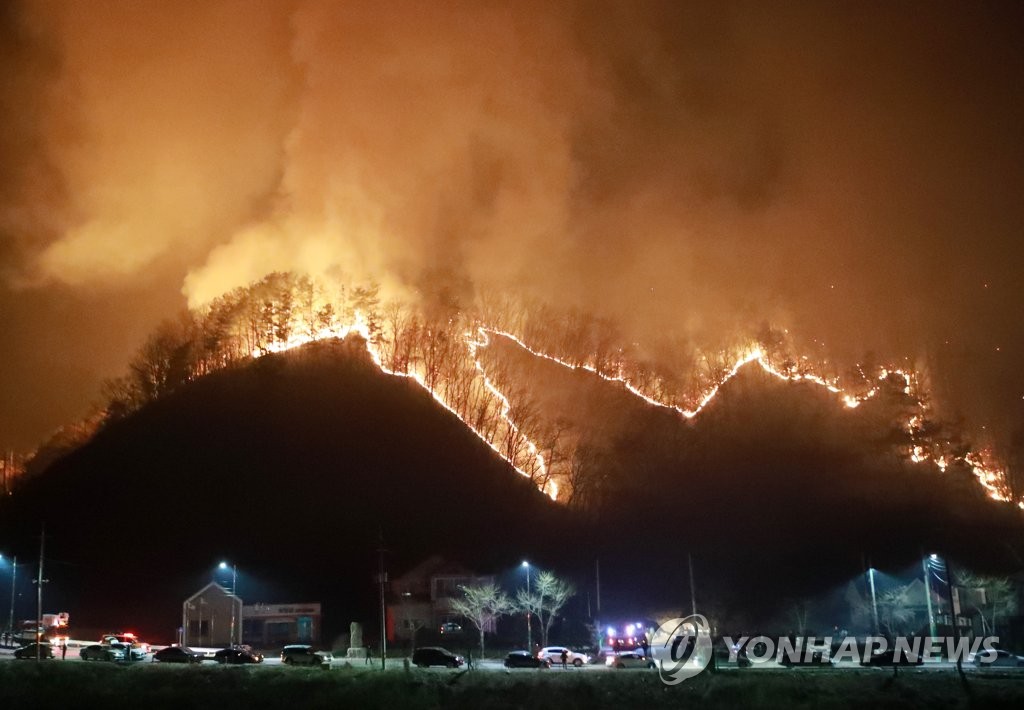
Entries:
{"x":525,"y":456}
{"x":360,"y":326}
{"x":551,"y":487}
{"x":990,"y":476}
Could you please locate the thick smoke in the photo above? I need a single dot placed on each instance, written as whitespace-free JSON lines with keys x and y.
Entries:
{"x":851,"y":173}
{"x":428,"y":137}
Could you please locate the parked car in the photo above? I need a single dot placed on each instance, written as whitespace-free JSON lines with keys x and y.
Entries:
{"x":178,"y":654}
{"x":238,"y":654}
{"x":101,"y":652}
{"x":28,"y":651}
{"x":525,"y":659}
{"x":305,"y":655}
{"x":436,"y":656}
{"x":888,"y":658}
{"x":804,"y":652}
{"x":816,"y":657}
{"x":752,"y":647}
{"x":554,"y":655}
{"x":629,"y":659}
{"x":128,"y":643}
{"x":132,"y":651}
{"x":997,"y":658}
{"x":127,"y":638}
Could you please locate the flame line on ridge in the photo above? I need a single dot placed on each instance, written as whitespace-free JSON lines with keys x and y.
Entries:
{"x":988,"y":477}
{"x":550,"y":487}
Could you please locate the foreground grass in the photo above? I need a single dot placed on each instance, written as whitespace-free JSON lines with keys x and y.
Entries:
{"x":63,"y":685}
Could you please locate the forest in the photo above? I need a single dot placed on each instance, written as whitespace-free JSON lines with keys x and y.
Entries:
{"x":469,"y":350}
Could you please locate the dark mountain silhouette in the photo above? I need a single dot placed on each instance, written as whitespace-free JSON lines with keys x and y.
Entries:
{"x":289,"y":467}
{"x":292,"y":464}
{"x":776,"y":489}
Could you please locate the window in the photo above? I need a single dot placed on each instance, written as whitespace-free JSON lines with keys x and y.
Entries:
{"x":279,"y":631}
{"x":304,"y":628}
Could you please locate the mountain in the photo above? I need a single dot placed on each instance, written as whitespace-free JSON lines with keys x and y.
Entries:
{"x":290,"y":467}
{"x":776,"y":489}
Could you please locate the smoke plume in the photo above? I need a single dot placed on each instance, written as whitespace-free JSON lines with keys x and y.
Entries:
{"x":691,"y":170}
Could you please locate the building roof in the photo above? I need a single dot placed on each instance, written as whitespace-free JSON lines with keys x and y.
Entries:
{"x":212,"y":586}
{"x":433,"y":566}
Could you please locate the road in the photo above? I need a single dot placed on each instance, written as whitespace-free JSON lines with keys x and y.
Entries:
{"x":270,"y":661}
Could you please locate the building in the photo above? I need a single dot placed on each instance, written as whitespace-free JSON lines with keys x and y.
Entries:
{"x":421,"y":598}
{"x":271,"y":625}
{"x":211,"y":617}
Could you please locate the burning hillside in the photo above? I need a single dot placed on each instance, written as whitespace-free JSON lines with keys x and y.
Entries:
{"x":224,"y":415}
{"x":672,"y":172}
{"x":447,"y":351}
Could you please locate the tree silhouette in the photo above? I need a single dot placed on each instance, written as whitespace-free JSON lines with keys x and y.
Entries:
{"x":482,"y":605}
{"x":544,"y":600}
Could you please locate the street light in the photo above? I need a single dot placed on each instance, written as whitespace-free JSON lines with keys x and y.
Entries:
{"x":874,"y":599}
{"x":529,"y":631}
{"x":928,"y":592}
{"x":234,"y":583}
{"x":234,"y":574}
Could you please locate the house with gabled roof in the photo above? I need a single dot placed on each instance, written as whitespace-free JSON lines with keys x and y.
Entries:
{"x":421,"y":597}
{"x":211,"y":617}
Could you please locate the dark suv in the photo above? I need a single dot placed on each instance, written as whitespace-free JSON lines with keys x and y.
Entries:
{"x":436,"y":656}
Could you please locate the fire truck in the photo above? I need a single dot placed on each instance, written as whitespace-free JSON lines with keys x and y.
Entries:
{"x":627,"y":637}
{"x":54,"y":628}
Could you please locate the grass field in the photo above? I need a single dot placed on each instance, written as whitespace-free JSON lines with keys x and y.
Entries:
{"x":67,"y":685}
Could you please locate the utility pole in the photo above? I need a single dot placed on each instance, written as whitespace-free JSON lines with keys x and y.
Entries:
{"x":14,"y":576}
{"x":598,"y":631}
{"x":693,"y":593}
{"x":381,"y":579}
{"x":954,"y":605}
{"x":874,"y":598}
{"x":954,"y":608}
{"x":235,"y":602}
{"x":529,"y":629}
{"x":39,"y":592}
{"x":202,"y":603}
{"x":928,"y":594}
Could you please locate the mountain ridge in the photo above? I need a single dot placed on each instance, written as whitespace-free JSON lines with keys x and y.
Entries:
{"x":294,"y":464}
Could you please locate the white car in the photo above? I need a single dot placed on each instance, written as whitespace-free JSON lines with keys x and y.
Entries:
{"x":305,"y":655}
{"x":139,"y":649}
{"x":554,"y":654}
{"x":101,"y":652}
{"x":997,"y":658}
{"x":629,"y":659}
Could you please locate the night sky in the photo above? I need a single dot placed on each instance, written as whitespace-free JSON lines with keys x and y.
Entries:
{"x":851,"y":172}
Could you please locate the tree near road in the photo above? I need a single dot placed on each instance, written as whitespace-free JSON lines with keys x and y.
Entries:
{"x":482,"y":605}
{"x":995,"y":595}
{"x":894,"y":610}
{"x":545,"y":600}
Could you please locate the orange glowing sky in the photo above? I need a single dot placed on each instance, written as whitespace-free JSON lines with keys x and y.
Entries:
{"x":850,"y":172}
